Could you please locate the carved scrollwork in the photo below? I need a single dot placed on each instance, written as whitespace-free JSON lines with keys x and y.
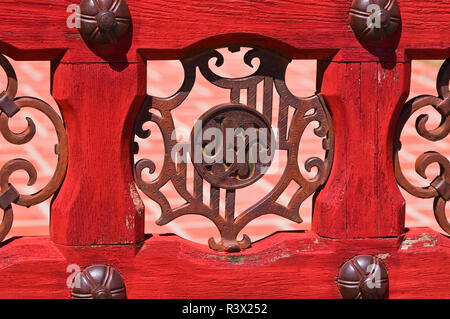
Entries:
{"x":439,"y":188}
{"x":9,"y":106}
{"x":233,"y":175}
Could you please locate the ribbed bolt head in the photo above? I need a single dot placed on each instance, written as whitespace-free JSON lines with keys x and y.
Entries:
{"x":104,"y":21}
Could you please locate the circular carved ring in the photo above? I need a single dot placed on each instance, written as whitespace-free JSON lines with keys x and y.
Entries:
{"x":231,"y":146}
{"x":363,"y":277}
{"x":104,"y":21}
{"x":99,"y":282}
{"x":374,"y":20}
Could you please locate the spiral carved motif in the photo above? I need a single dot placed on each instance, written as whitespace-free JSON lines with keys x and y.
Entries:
{"x":439,"y":188}
{"x":9,"y":106}
{"x":233,"y":176}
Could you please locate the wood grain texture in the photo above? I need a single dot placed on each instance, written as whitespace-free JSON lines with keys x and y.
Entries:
{"x":97,"y":216}
{"x":285,"y":265}
{"x":98,"y":202}
{"x":37,"y":29}
{"x":361,"y":198}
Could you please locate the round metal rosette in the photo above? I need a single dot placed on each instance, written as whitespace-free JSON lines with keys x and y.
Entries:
{"x":231,"y":146}
{"x":374,"y":21}
{"x":99,"y":282}
{"x":363,"y":277}
{"x":104,"y":21}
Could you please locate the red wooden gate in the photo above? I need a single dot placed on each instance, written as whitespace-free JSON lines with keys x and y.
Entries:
{"x":358,"y":245}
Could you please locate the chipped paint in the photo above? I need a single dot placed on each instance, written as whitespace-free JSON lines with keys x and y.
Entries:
{"x":259,"y":259}
{"x":426,"y":239}
{"x":232,"y":259}
{"x":137,"y":202}
{"x":236,"y":260}
{"x":282,"y":256}
{"x":130,"y":222}
{"x":384,"y":256}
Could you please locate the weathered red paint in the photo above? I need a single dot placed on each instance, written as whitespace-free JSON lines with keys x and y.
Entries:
{"x":285,"y":265}
{"x":99,"y":92}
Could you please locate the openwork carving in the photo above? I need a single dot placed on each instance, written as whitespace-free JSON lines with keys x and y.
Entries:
{"x":231,"y":174}
{"x":439,"y":188}
{"x":9,"y":106}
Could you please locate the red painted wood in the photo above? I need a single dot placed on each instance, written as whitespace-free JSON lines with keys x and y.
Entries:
{"x":97,"y":216}
{"x":285,"y":265}
{"x":361,"y":198}
{"x":171,"y":29}
{"x":98,"y":202}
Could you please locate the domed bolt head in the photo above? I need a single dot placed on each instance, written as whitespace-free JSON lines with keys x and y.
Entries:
{"x":374,"y":21}
{"x":104,"y":21}
{"x":385,"y":18}
{"x":98,"y":282}
{"x":102,"y":293}
{"x":363,"y":277}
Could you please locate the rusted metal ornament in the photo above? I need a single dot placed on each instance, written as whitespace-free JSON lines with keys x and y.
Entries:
{"x":8,"y":197}
{"x":374,"y":21}
{"x":8,"y":194}
{"x":443,"y":79}
{"x":439,"y":188}
{"x":104,"y":21}
{"x":236,"y":174}
{"x":363,"y":277}
{"x":7,"y":105}
{"x":232,"y":177}
{"x":99,"y":282}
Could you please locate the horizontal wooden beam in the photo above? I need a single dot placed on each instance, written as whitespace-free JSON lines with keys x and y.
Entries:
{"x":285,"y":265}
{"x":37,"y":29}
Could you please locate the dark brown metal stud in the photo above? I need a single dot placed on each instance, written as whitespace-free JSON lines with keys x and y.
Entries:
{"x":99,"y":282}
{"x":374,"y":20}
{"x":104,"y":21}
{"x":363,"y":277}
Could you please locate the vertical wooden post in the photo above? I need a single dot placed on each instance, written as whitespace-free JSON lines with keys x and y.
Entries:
{"x":361,"y":198}
{"x":98,"y":202}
